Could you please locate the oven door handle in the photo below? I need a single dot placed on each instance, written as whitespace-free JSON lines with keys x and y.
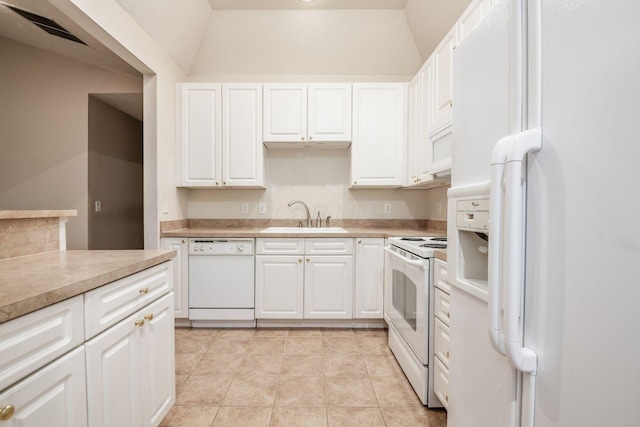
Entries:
{"x":404,"y":259}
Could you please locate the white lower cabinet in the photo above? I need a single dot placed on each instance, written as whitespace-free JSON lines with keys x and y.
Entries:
{"x":299,"y":286}
{"x":130,"y":377}
{"x":369,"y":276}
{"x":441,"y":330}
{"x":328,"y":287}
{"x":279,"y":286}
{"x":52,"y":396}
{"x":180,"y":275}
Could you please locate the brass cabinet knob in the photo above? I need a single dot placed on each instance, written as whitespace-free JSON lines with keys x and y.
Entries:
{"x":217,"y":183}
{"x":140,"y":323}
{"x":184,"y":241}
{"x":310,"y":138}
{"x":144,"y":290}
{"x":308,"y":260}
{"x":303,"y":138}
{"x":359,"y":241}
{"x":355,"y":182}
{"x":224,"y":182}
{"x":299,"y":259}
{"x":448,"y":315}
{"x":7,"y":412}
{"x":450,"y":103}
{"x":447,"y":354}
{"x":149,"y":316}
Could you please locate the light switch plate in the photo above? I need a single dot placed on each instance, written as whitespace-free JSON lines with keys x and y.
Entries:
{"x":245,"y":208}
{"x":387,"y":208}
{"x":262,"y":208}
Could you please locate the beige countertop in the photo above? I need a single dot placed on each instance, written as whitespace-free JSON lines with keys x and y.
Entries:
{"x":31,"y":282}
{"x":18,"y":214}
{"x":256,"y":232}
{"x":441,"y":254}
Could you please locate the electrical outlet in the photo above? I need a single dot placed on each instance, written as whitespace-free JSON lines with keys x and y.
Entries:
{"x":98,"y":206}
{"x":165,"y":206}
{"x":387,"y":208}
{"x":439,"y":207}
{"x":262,"y":208}
{"x":245,"y":208}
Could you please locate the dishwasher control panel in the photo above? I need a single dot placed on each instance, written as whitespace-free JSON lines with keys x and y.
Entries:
{"x":210,"y":247}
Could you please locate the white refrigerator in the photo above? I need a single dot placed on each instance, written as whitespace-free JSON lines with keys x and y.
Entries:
{"x":561,"y":271}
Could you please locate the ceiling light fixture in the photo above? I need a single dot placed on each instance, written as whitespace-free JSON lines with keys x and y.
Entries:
{"x":307,"y":1}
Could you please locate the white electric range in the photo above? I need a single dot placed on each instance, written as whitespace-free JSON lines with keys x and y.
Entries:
{"x":409,"y":309}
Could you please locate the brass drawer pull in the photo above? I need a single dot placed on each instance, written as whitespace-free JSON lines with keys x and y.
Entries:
{"x":140,"y":323}
{"x":149,"y":316}
{"x":144,"y":290}
{"x":7,"y":412}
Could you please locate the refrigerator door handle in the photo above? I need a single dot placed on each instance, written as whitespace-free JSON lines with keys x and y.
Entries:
{"x":498,"y":160}
{"x":521,"y":358}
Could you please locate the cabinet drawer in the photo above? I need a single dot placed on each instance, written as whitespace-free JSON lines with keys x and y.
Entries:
{"x":441,"y":383}
{"x":328,"y":246}
{"x":441,"y":344}
{"x":31,"y":341}
{"x":278,"y":246}
{"x":442,"y":307}
{"x":107,"y":305}
{"x":440,"y":276}
{"x":52,"y":396}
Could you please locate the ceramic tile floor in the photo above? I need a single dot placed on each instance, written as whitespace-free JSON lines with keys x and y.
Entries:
{"x":292,"y":377}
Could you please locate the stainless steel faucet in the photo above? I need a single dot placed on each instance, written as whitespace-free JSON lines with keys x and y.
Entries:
{"x":306,"y":208}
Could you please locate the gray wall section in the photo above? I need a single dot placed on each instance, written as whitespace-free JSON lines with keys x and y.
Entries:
{"x":115,"y":178}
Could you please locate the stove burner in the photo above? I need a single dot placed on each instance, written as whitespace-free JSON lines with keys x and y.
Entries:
{"x":439,"y":239}
{"x":434,"y":245}
{"x":413,"y":239}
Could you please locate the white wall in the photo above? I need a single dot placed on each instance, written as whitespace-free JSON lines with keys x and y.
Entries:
{"x":317,"y":177}
{"x":44,"y":131}
{"x":310,"y":43}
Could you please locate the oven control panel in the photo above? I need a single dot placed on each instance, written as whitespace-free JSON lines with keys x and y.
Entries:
{"x":221,"y":246}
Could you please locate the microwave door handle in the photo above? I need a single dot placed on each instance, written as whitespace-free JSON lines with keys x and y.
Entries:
{"x":521,"y":358}
{"x":498,"y":159}
{"x":407,"y":260}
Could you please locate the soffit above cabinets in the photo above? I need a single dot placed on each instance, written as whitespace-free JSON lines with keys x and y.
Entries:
{"x":297,"y":4}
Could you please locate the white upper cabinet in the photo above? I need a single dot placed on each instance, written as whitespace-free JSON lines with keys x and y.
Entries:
{"x":220,"y":135}
{"x":301,"y":113}
{"x":472,"y":15}
{"x":379,"y":135}
{"x":199,"y":132}
{"x":242,"y":157}
{"x":442,"y":82}
{"x":329,"y":112}
{"x":285,"y":113}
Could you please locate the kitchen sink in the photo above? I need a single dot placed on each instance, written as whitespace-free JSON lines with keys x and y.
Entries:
{"x":305,"y":230}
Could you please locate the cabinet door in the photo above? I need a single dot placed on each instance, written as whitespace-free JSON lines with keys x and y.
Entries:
{"x":158,"y":361}
{"x":52,"y":396}
{"x":377,"y":150}
{"x":285,"y":113}
{"x":442,"y":87}
{"x":424,"y":163}
{"x":242,"y":158}
{"x":415,"y":130}
{"x":328,"y":287}
{"x":472,"y":15}
{"x":368,"y":303}
{"x":180,"y":275}
{"x":329,"y":115}
{"x":199,"y":130}
{"x":113,"y":375}
{"x":279,"y":287}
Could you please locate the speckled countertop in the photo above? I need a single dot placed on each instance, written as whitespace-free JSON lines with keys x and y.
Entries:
{"x":257,"y":232}
{"x":28,"y":283}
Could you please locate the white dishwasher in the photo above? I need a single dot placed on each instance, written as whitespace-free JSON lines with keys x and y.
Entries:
{"x":221,"y":282}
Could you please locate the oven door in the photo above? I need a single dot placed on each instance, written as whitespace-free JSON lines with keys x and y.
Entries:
{"x":406,"y":300}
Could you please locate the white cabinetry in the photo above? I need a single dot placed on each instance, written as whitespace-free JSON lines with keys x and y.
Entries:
{"x":219,"y":132}
{"x":441,"y":331}
{"x":301,"y":113}
{"x":53,"y":396}
{"x":442,"y":82}
{"x":369,"y":276}
{"x":379,"y":135}
{"x":180,"y":275}
{"x":41,"y":384}
{"x":304,"y":278}
{"x":472,"y":15}
{"x":138,"y":352}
